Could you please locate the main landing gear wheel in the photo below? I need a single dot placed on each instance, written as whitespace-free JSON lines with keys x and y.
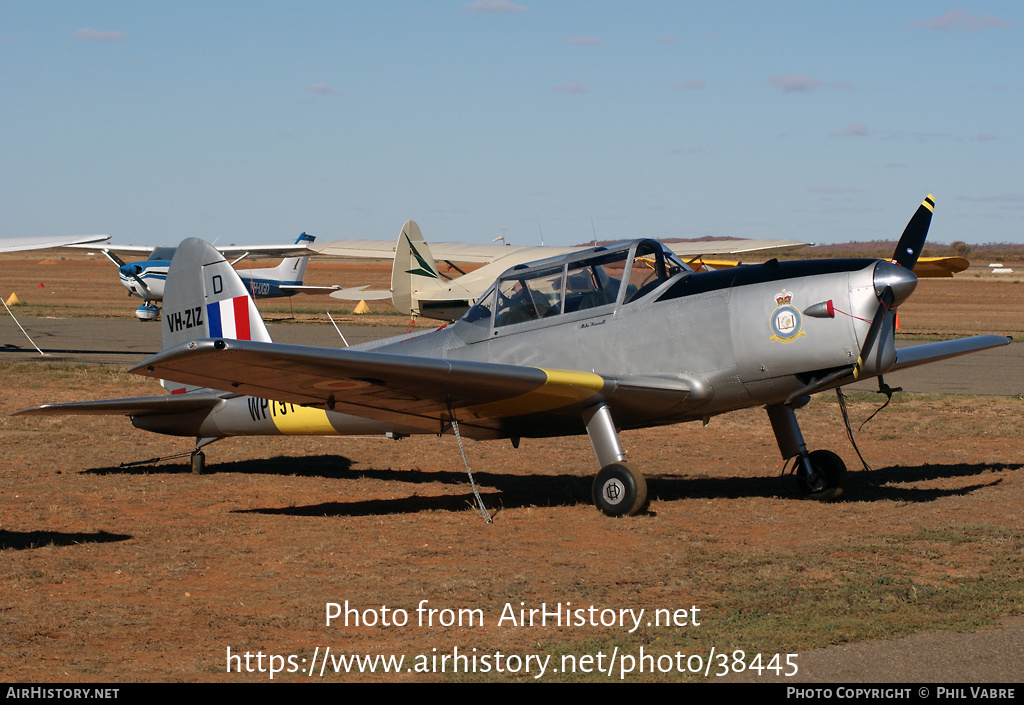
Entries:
{"x":198,"y":462}
{"x":831,"y":476}
{"x":619,"y":490}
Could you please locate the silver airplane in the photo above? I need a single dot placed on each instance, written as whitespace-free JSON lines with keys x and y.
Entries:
{"x":610,"y":338}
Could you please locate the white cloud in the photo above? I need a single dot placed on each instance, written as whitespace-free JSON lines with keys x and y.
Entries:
{"x":795,"y":83}
{"x":666,"y":39}
{"x":98,"y":35}
{"x":493,"y":7}
{"x":854,"y":129}
{"x":322,"y":89}
{"x":574,"y":87}
{"x":957,"y":19}
{"x":584,"y":41}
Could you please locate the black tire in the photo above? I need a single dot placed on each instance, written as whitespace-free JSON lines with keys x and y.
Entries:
{"x":832,"y":470}
{"x":619,"y":490}
{"x":198,"y":462}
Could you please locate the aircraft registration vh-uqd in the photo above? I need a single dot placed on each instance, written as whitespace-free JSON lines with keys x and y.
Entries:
{"x":595,"y":341}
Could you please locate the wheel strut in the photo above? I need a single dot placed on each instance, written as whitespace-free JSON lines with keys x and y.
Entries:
{"x":821,"y":473}
{"x":618,"y":489}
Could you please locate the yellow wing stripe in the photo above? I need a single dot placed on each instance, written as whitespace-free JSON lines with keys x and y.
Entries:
{"x":562,"y":388}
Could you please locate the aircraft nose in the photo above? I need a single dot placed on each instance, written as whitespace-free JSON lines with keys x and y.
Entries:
{"x":901,"y":280}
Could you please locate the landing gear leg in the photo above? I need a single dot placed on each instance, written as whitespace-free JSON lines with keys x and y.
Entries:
{"x":618,"y":490}
{"x":821,"y":474}
{"x":198,"y":457}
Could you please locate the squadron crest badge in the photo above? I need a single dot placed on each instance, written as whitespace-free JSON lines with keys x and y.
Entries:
{"x":785,"y":320}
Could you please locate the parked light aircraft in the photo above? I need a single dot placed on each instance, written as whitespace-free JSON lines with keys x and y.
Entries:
{"x":146,"y":278}
{"x":616,"y":337}
{"x":419,"y":288}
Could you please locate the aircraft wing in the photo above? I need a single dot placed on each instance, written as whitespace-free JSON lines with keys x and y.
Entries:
{"x":462,"y":252}
{"x":415,"y":391}
{"x":926,"y":267}
{"x":689,"y":250}
{"x":915,"y":355}
{"x":933,"y":267}
{"x":255,"y":251}
{"x":122,"y":249}
{"x":18,"y":244}
{"x":451,"y":251}
{"x":137,"y":406}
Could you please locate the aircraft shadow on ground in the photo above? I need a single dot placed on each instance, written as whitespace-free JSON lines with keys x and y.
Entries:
{"x":334,"y":467}
{"x":883,"y":484}
{"x":17,"y":540}
{"x":506,"y":491}
{"x":15,"y":349}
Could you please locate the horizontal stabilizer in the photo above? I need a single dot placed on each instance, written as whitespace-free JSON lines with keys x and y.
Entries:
{"x":138,"y":406}
{"x":361,"y":293}
{"x":308,"y":288}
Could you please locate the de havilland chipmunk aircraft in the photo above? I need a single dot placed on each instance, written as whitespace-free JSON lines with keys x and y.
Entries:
{"x":146,"y":278}
{"x":610,"y":338}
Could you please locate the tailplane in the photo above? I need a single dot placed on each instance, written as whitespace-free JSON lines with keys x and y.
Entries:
{"x":205,"y":298}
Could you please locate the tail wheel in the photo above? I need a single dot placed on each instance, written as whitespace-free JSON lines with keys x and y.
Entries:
{"x":831,"y":473}
{"x":619,"y":490}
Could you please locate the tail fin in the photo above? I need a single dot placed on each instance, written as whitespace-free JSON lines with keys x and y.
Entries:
{"x":292,"y":270}
{"x":205,"y":298}
{"x":414,"y":269}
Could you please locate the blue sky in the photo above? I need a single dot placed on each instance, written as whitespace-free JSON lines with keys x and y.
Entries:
{"x":248,"y":122}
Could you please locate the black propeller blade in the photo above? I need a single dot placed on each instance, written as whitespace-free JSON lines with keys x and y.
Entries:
{"x":885,"y":301}
{"x":908,"y":249}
